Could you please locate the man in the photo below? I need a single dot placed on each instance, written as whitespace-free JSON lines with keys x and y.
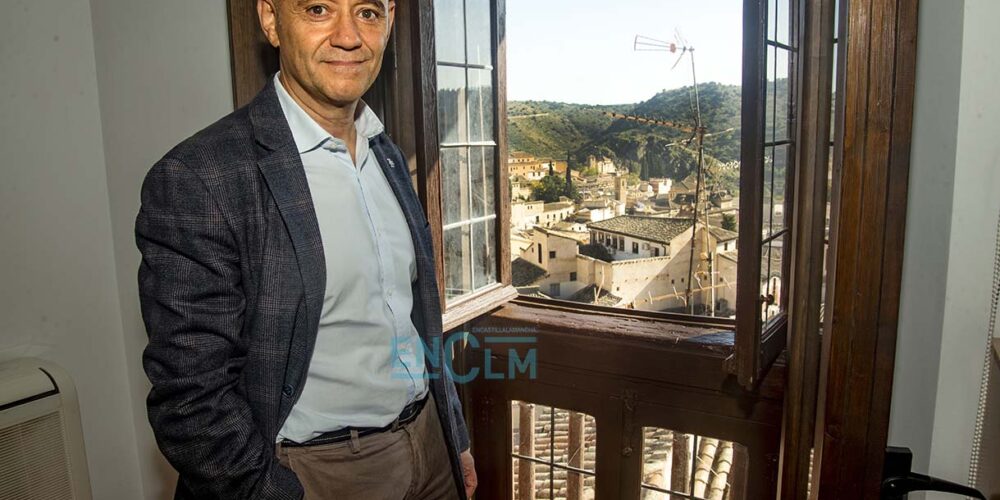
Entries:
{"x":285,"y":258}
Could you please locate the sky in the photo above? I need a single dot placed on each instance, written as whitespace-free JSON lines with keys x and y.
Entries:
{"x":581,"y":51}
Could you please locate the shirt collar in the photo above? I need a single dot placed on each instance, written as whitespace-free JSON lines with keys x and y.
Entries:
{"x":309,"y":135}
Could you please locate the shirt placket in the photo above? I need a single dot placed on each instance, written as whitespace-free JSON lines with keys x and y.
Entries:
{"x":386,"y":267}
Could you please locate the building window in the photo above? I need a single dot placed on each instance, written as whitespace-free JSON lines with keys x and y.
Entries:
{"x":541,"y":253}
{"x":635,"y":247}
{"x":552,"y":254}
{"x":554,"y":289}
{"x":572,"y":276}
{"x":656,"y":252}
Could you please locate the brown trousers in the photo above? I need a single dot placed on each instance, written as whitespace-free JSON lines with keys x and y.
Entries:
{"x":410,"y":463}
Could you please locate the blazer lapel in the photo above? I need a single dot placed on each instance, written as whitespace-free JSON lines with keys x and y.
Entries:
{"x":285,"y":176}
{"x":396,"y":172}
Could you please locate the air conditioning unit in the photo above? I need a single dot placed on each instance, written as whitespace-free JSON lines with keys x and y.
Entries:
{"x":42,"y":456}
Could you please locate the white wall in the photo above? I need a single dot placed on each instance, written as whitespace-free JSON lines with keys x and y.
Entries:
{"x":971,"y":254}
{"x":164,"y":73}
{"x":954,"y":201}
{"x":92,"y":93}
{"x":925,"y":259}
{"x":58,"y":290}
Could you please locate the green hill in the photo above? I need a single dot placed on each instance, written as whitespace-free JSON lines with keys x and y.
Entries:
{"x":550,"y":129}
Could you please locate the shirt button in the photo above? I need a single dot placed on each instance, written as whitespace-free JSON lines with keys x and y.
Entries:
{"x":288,"y":390}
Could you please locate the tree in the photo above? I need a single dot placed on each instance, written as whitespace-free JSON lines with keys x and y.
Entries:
{"x":550,"y":188}
{"x":729,"y":222}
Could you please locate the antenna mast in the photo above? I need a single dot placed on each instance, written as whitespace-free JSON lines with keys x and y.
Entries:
{"x":647,"y":44}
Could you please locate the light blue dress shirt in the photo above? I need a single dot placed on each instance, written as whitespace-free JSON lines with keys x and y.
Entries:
{"x":367,"y":363}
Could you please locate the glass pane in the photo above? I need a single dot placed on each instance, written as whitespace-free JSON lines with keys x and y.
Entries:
{"x":576,"y":440}
{"x":481,"y":105}
{"x":772,"y":16}
{"x":770,"y":276}
{"x":457,"y":258}
{"x":554,"y":437}
{"x":767,"y":208}
{"x":455,"y":184}
{"x":833,"y":90}
{"x":449,"y":31}
{"x":784,"y":21}
{"x":778,"y":189}
{"x":480,"y":32}
{"x":777,"y":95}
{"x":483,"y":174}
{"x":769,"y":101}
{"x":836,"y":18}
{"x":452,"y":123}
{"x":536,"y":488}
{"x":484,"y":256}
{"x":780,"y":80}
{"x":690,"y":466}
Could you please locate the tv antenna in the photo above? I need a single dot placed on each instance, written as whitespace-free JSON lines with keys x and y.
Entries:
{"x":682,"y":48}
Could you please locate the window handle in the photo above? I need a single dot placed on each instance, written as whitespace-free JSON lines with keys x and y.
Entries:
{"x":898,"y":480}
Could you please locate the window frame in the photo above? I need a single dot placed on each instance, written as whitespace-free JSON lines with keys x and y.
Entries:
{"x":421,"y":16}
{"x":755,"y":348}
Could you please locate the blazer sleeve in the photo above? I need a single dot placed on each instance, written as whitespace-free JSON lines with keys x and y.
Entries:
{"x":462,"y":431}
{"x":192,"y":303}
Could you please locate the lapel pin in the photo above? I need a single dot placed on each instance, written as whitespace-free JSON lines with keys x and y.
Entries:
{"x":391,"y":163}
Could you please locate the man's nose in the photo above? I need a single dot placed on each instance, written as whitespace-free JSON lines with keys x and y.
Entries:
{"x":345,"y":34}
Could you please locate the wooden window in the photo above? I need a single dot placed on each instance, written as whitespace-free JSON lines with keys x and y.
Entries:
{"x":459,"y":100}
{"x":767,"y":171}
{"x":552,"y":254}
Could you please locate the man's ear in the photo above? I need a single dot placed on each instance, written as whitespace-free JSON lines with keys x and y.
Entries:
{"x":267,"y":11}
{"x":391,"y":9}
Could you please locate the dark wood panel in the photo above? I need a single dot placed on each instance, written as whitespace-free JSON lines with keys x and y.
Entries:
{"x":660,"y":378}
{"x":253,"y":58}
{"x":808,"y":245}
{"x":502,"y":191}
{"x":869,"y":210}
{"x":427,"y":152}
{"x":747,"y":362}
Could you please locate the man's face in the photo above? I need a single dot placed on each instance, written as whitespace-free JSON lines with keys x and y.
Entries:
{"x":331,"y":49}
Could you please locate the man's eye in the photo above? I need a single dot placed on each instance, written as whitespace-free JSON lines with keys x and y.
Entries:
{"x":370,"y":14}
{"x":317,"y":10}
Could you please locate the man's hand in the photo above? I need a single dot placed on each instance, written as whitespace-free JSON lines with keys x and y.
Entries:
{"x":469,"y":473}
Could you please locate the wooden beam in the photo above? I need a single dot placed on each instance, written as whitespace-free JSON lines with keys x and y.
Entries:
{"x":526,"y":448}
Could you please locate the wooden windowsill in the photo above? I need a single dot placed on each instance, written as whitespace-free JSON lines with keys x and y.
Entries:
{"x":620,"y":344}
{"x":656,"y":329}
{"x":468,"y":308}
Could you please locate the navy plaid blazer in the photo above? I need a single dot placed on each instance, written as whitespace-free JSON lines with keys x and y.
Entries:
{"x":231,"y":285}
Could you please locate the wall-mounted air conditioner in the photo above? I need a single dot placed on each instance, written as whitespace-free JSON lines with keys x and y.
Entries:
{"x":41,"y":440}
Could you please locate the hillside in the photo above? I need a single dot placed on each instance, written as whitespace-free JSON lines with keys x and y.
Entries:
{"x":549,"y":129}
